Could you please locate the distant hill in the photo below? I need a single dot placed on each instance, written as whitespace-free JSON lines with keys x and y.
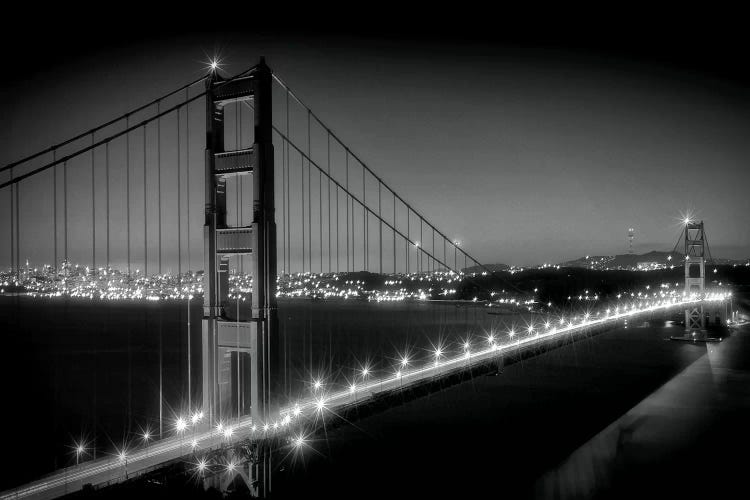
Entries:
{"x":625,"y":261}
{"x":631,"y":261}
{"x":487,"y":267}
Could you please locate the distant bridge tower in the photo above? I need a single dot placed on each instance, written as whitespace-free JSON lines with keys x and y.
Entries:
{"x":239,"y":346}
{"x":695,"y":273}
{"x":631,"y":235}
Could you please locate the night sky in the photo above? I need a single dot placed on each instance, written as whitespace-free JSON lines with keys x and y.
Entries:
{"x":529,"y":148}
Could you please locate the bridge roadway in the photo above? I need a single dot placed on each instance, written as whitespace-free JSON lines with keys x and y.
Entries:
{"x":112,"y":469}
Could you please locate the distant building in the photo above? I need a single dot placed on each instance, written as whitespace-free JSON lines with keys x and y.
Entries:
{"x":650,"y":266}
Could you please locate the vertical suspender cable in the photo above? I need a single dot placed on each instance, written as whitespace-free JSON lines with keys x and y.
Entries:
{"x":127,"y":190}
{"x":65,"y":209}
{"x":12,"y":228}
{"x":241,"y":190}
{"x":309,"y":195}
{"x":283,"y":203}
{"x":158,"y":171}
{"x":237,"y":329}
{"x":238,"y":222}
{"x":145,"y":210}
{"x":394,"y":234}
{"x":179,"y":198}
{"x":302,"y":204}
{"x":337,"y":222}
{"x":93,"y":211}
{"x":320,"y":217}
{"x":161,"y":386}
{"x":421,"y":243}
{"x":54,"y":204}
{"x":432,"y":258}
{"x":408,"y":236}
{"x":329,"y":201}
{"x":187,"y":173}
{"x":106,"y":191}
{"x":347,"y":208}
{"x":18,"y":231}
{"x":365,"y":230}
{"x":380,"y":224}
{"x":288,"y":192}
{"x":187,"y":177}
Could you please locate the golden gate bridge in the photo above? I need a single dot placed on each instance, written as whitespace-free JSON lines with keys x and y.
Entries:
{"x":123,"y":206}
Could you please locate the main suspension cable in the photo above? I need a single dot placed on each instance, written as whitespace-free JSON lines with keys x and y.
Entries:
{"x":100,"y":127}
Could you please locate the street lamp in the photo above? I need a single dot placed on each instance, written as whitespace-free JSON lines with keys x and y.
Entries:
{"x":79,"y":450}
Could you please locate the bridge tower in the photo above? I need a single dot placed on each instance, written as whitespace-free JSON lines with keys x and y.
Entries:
{"x":695,"y":273}
{"x":239,"y":345}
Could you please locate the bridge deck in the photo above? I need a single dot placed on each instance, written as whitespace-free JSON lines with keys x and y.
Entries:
{"x":113,"y":469}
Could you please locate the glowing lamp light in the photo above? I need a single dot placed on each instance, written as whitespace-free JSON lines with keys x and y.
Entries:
{"x":228,"y":432}
{"x":317,"y":384}
{"x":320,"y":404}
{"x":180,"y":424}
{"x":201,"y":465}
{"x":352,"y":388}
{"x":298,"y":441}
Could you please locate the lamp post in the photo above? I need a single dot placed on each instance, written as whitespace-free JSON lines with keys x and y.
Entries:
{"x":146,"y":438}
